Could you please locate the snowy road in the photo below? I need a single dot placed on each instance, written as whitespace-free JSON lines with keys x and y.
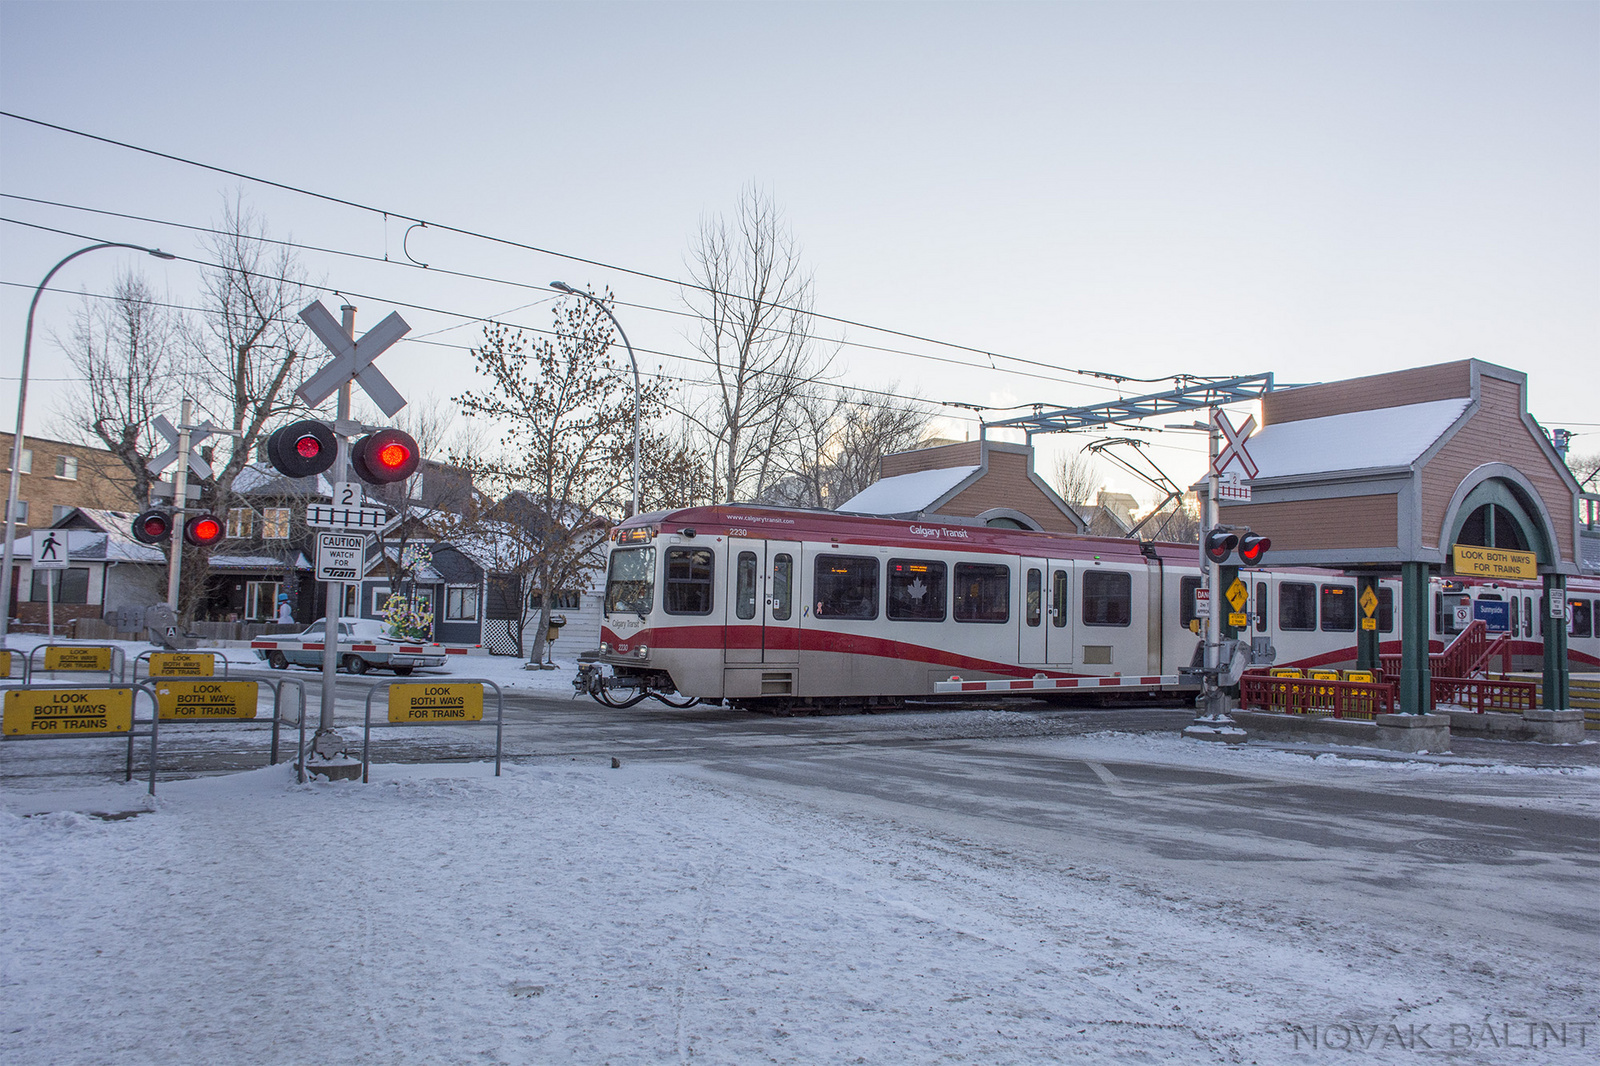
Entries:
{"x":971,"y":887}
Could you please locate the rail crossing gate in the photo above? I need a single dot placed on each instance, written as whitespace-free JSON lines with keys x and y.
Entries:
{"x":55,"y":712}
{"x":456,"y":702}
{"x":77,"y":659}
{"x":203,"y":699}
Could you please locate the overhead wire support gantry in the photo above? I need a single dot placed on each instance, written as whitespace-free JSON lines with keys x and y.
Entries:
{"x":1201,"y":394}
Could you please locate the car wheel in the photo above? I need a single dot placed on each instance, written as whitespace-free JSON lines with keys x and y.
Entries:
{"x":278,"y":661}
{"x":402,"y":671}
{"x":355,"y":664}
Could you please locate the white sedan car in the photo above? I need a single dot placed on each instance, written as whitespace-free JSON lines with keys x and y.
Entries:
{"x":376,"y":649}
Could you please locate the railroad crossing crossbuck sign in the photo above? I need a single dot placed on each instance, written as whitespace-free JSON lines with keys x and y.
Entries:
{"x":353,"y":359}
{"x":1234,"y":448}
{"x":198,"y":466}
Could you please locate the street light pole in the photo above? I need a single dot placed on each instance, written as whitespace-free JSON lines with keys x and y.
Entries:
{"x":16,"y":441}
{"x":561,"y":286}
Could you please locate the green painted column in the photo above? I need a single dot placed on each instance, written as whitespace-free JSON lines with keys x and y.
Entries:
{"x":1416,"y":678}
{"x":1366,"y":639}
{"x":1557,"y":678}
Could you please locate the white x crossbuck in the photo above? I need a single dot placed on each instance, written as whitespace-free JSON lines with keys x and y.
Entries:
{"x":1234,"y":448}
{"x":352,"y":359}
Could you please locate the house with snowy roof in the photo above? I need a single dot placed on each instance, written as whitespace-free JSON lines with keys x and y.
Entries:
{"x":106,"y":569}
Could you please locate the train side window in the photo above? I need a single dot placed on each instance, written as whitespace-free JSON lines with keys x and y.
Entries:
{"x":983,"y":592}
{"x":782,"y":586}
{"x":1527,"y":616}
{"x":1107,"y":598}
{"x":1188,"y":590}
{"x":688,"y":588}
{"x":1261,"y":607}
{"x":1338,"y":609}
{"x":1515,"y":616}
{"x":1543,"y":610}
{"x":1059,"y":599}
{"x":847,"y":586}
{"x":1582,"y":617}
{"x":744,"y":604}
{"x":1035,"y":597}
{"x":1297,"y":606}
{"x":1385,"y":609}
{"x":916,"y":590}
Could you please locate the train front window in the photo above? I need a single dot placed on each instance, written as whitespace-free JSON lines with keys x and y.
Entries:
{"x":631,"y":581}
{"x":983,"y":592}
{"x":916,"y":590}
{"x":688,"y":588}
{"x":846,"y":587}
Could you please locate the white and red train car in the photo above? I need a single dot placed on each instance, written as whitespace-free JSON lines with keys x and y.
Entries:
{"x":778,"y":607}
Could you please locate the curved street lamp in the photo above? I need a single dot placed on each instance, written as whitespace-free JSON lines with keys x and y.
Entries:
{"x":16,"y":441}
{"x":561,"y":286}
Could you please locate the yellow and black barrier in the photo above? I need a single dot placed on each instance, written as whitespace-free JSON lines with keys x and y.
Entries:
{"x":189,"y":699}
{"x":165,"y":664}
{"x":453,"y":702}
{"x":54,"y":712}
{"x":78,"y":659}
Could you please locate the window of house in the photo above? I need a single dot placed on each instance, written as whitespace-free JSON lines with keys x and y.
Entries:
{"x":27,"y":462}
{"x":1035,"y":607}
{"x":461,"y":603}
{"x":241,"y":522}
{"x":562,"y":601}
{"x":688,"y":586}
{"x":275,"y":523}
{"x":60,"y":511}
{"x":1107,"y":598}
{"x":69,"y":586}
{"x":261,"y":600}
{"x":1338,"y":608}
{"x":744,"y":596}
{"x":916,"y":590}
{"x":846,"y":586}
{"x":22,"y":512}
{"x":1188,"y":600}
{"x":782,"y":586}
{"x":352,"y":601}
{"x":67,"y":467}
{"x":1297,"y":606}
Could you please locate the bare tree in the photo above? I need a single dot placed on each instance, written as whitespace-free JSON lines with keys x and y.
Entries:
{"x":567,"y":417}
{"x":845,"y":436}
{"x":1586,"y":468}
{"x":1078,"y":477}
{"x":753,"y":299}
{"x":127,"y":351}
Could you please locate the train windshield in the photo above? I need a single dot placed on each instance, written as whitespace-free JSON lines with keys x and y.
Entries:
{"x":631,"y":581}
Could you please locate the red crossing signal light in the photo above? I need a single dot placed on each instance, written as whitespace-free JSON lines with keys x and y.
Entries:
{"x":384,"y":457}
{"x":302,"y":449}
{"x":203,"y":530}
{"x":1252,"y":548}
{"x":152,"y":527}
{"x":1217,"y":545}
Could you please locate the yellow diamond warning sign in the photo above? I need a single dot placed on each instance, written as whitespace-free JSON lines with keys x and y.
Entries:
{"x":1237,"y":593}
{"x":205,"y":699}
{"x":1368,"y":601}
{"x":44,"y":712}
{"x":436,"y":703}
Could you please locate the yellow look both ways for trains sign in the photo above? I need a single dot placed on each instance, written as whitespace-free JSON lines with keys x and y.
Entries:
{"x":206,"y":699}
{"x":44,"y":712}
{"x":436,"y":703}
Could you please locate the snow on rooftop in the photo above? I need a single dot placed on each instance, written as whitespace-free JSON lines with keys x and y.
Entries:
{"x":1359,"y":440}
{"x":907,"y":493}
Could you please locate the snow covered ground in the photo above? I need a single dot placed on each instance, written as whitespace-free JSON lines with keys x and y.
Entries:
{"x":678,"y":911}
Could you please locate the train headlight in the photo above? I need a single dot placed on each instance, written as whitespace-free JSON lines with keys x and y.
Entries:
{"x":605,"y":649}
{"x":642,"y":651}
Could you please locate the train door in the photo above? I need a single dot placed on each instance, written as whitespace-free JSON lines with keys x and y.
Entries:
{"x":763,"y":622}
{"x":1047,"y":624}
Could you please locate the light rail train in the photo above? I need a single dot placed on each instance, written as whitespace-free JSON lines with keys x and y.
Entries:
{"x":782,"y":609}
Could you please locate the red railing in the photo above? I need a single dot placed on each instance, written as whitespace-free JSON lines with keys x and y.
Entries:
{"x":1468,"y":654}
{"x":1480,"y":694}
{"x":1294,"y":695}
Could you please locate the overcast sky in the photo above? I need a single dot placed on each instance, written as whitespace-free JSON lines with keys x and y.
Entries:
{"x":1313,"y":190}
